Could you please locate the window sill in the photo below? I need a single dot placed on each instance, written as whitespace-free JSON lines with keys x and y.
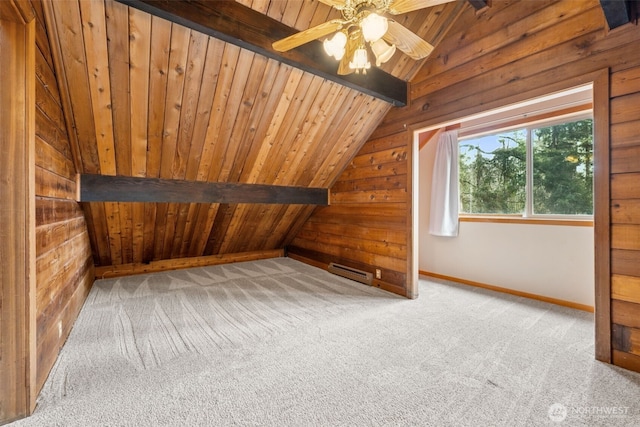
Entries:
{"x":520,"y":220}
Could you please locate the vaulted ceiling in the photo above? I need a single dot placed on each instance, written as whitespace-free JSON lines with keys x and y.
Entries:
{"x":145,"y":97}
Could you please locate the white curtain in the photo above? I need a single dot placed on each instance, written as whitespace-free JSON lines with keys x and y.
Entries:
{"x":443,"y":219}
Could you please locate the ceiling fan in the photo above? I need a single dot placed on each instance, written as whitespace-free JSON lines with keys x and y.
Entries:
{"x":364,"y":21}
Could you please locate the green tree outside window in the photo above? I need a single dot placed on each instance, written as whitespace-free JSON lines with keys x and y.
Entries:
{"x":493,"y":171}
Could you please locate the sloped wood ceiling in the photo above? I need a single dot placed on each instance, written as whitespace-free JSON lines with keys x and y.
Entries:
{"x":154,"y":99}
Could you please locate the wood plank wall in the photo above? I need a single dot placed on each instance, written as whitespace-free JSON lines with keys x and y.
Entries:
{"x":367,"y":224}
{"x":64,"y":264}
{"x":17,"y":222}
{"x":154,"y":99}
{"x":524,"y":49}
{"x":625,"y":216}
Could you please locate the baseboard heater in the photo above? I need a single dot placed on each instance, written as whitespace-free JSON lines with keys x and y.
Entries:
{"x":351,"y":273}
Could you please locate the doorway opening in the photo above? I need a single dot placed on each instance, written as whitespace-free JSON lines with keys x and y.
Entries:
{"x":450,"y":258}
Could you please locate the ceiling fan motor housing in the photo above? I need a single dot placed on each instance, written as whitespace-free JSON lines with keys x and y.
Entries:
{"x":358,"y":9}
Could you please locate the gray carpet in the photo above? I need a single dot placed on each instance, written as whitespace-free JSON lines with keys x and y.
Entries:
{"x":280,"y":343}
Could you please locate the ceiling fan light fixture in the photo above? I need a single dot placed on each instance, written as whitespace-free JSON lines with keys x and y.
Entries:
{"x":335,"y":46}
{"x":360,"y":61}
{"x":374,"y":27}
{"x":368,"y":27}
{"x":383,"y":51}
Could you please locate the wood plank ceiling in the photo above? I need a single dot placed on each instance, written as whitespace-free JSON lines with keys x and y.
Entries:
{"x":149,"y":98}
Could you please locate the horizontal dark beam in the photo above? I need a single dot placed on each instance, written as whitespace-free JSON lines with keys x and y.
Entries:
{"x":479,"y":4}
{"x":105,"y":188}
{"x":242,"y":26}
{"x":618,"y":12}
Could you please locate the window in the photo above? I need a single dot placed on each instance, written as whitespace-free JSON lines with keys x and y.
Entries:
{"x":546,"y":169}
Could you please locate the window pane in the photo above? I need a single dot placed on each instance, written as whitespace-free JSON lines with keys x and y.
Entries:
{"x":563,"y":168}
{"x":492,"y":173}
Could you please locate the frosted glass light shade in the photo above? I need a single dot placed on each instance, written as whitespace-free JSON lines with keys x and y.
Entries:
{"x":335,"y":46}
{"x":374,"y":27}
{"x":360,"y":60}
{"x":383,"y":51}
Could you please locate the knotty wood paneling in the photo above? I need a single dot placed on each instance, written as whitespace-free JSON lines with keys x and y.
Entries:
{"x":625,"y":288}
{"x":626,"y":360}
{"x":367,"y":225}
{"x":514,"y":51}
{"x":626,"y":346}
{"x":237,"y":24}
{"x":625,"y":216}
{"x":149,"y":98}
{"x":64,"y":263}
{"x":17,"y":216}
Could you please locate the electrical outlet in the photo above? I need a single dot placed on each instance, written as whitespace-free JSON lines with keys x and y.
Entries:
{"x":378,"y":273}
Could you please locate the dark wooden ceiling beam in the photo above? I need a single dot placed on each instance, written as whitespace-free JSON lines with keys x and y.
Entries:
{"x":619,"y":12}
{"x":105,"y":188}
{"x":242,"y":26}
{"x":479,"y":4}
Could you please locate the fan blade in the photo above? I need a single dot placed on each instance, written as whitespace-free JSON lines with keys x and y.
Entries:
{"x":349,"y":49}
{"x":313,"y":33}
{"x":407,"y":41}
{"x":403,"y":6}
{"x":333,"y":3}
